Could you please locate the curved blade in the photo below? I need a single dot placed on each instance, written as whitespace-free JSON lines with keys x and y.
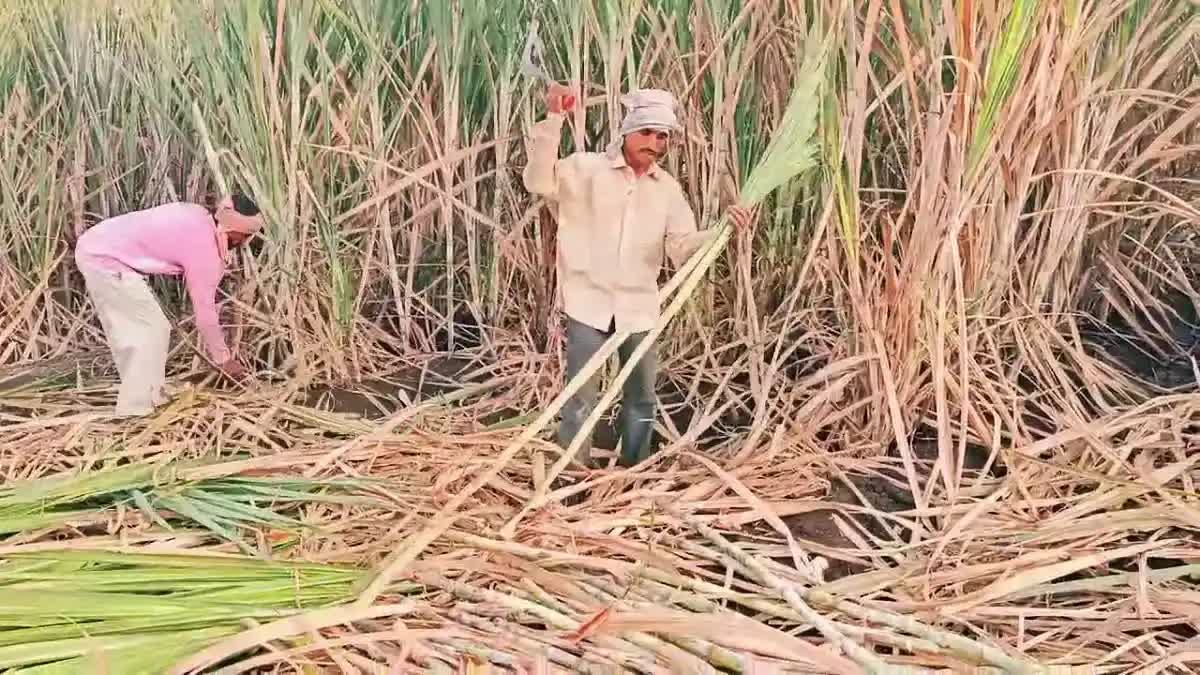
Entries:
{"x":533,"y":63}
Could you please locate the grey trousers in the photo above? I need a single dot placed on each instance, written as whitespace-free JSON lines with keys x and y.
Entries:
{"x":637,"y":395}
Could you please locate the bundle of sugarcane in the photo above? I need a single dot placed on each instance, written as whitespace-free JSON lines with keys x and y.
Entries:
{"x":211,"y":495}
{"x":81,"y":611}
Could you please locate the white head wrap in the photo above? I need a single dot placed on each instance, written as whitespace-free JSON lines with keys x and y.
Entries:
{"x":649,"y":109}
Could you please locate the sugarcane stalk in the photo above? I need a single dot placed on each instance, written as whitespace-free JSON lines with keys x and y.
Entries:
{"x":210,"y":154}
{"x":538,"y":594}
{"x":714,"y":654}
{"x":843,"y":606}
{"x":551,"y":652}
{"x":663,"y":594}
{"x":478,"y":651}
{"x":667,"y":585}
{"x":1109,"y":581}
{"x":864,"y":658}
{"x":955,"y":643}
{"x":626,"y":648}
{"x":658,"y":645}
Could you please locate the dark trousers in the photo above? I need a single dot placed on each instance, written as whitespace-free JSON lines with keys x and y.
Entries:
{"x":637,"y":395}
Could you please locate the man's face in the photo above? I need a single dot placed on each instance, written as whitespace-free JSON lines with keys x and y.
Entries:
{"x":235,"y":223}
{"x":644,"y":147}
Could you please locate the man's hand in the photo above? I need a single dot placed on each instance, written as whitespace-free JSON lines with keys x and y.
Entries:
{"x":560,"y":99}
{"x":232,"y":369}
{"x":743,"y":218}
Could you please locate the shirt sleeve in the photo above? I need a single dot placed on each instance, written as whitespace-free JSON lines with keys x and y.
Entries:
{"x":202,"y":289}
{"x":683,"y":238}
{"x":545,"y":174}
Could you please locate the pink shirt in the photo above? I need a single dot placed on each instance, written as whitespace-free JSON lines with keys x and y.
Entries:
{"x":176,"y":239}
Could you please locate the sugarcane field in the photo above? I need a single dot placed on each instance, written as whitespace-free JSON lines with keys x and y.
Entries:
{"x":602,"y":336}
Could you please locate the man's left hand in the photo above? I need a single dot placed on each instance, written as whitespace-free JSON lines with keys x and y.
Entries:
{"x":743,"y":218}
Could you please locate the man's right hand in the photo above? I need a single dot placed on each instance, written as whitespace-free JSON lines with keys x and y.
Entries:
{"x":232,"y":369}
{"x":560,"y":99}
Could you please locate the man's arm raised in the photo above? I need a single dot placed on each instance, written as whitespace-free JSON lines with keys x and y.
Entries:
{"x":542,"y":175}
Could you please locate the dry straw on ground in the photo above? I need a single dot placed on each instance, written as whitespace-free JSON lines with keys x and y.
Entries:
{"x":938,"y":413}
{"x":1056,"y":562}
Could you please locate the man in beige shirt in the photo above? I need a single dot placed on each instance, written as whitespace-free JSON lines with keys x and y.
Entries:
{"x":618,"y":213}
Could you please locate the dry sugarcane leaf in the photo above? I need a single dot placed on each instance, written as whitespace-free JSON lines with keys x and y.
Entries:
{"x":1040,"y":575}
{"x":799,"y":558}
{"x":283,"y":628}
{"x":732,"y":631}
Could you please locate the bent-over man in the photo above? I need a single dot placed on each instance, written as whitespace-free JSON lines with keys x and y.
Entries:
{"x":177,"y":239}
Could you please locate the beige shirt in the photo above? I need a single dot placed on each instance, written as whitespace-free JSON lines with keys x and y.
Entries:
{"x":613,"y":230}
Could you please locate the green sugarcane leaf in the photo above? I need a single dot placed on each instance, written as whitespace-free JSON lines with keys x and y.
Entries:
{"x":36,"y":521}
{"x":143,"y":504}
{"x":139,"y":653}
{"x":186,"y":509}
{"x":248,"y":566}
{"x":231,"y":510}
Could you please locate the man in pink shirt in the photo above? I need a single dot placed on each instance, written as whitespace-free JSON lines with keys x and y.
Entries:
{"x":177,"y":239}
